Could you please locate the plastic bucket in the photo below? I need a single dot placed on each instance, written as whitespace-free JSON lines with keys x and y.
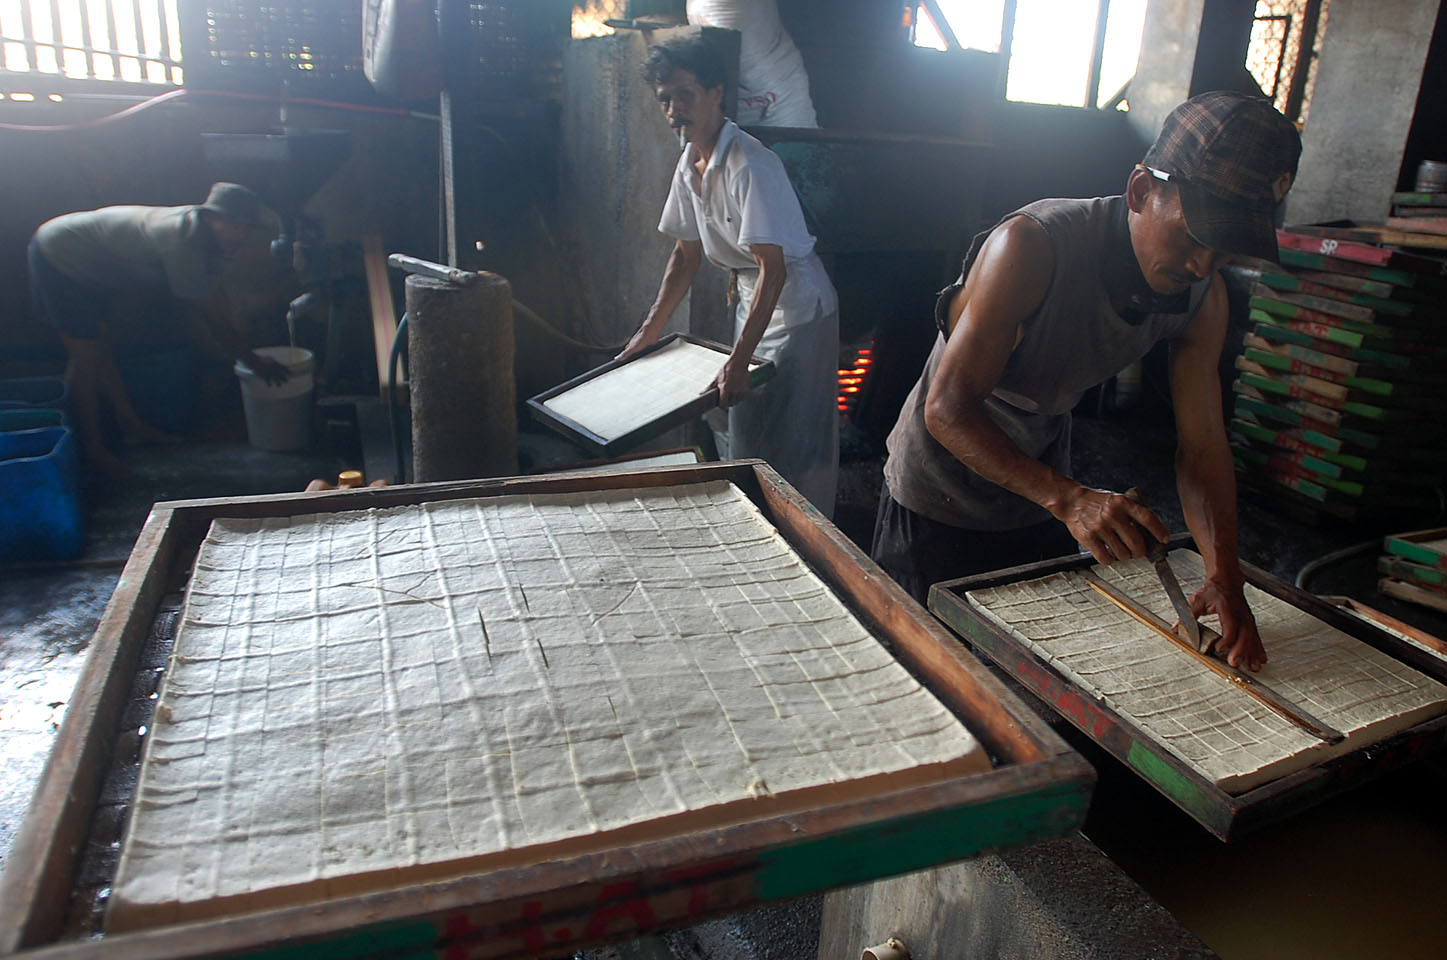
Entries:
{"x":40,"y":514}
{"x":279,"y":417}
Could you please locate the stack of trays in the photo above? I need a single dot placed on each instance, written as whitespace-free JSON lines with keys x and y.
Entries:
{"x":1414,"y":567}
{"x":1339,"y":399}
{"x":1421,"y":210}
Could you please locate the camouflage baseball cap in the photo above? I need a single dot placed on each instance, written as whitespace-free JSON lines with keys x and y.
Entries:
{"x":1233,"y":158}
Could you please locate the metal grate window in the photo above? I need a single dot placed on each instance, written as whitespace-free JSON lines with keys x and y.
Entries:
{"x":1282,"y":30}
{"x":129,"y":40}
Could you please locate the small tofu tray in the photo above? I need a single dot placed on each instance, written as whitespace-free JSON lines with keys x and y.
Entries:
{"x":659,"y":414}
{"x":1227,"y":816}
{"x":52,"y":892}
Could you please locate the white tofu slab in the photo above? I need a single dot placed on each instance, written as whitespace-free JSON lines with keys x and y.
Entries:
{"x":1223,"y":734}
{"x":365,"y":698}
{"x":636,"y":393}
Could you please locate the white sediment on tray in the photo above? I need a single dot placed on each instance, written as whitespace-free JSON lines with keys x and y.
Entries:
{"x":1221,"y":732}
{"x":383,"y":693}
{"x":633,"y":394}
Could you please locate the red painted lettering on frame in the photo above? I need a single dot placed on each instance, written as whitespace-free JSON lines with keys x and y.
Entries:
{"x":636,"y":909}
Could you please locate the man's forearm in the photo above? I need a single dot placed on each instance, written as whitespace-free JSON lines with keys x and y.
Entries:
{"x":1206,"y":482}
{"x":678,"y":275}
{"x":761,"y":310}
{"x":977,"y":441}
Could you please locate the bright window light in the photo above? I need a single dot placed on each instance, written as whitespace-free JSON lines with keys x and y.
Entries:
{"x":1122,"y":46}
{"x":72,"y":38}
{"x":976,"y":23}
{"x":1050,"y":52}
{"x":1051,"y":44}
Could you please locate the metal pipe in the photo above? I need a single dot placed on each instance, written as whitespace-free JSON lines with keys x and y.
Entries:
{"x":891,"y":949}
{"x":399,"y":343}
{"x":400,"y":261}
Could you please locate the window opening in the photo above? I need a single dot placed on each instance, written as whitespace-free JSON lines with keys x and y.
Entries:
{"x":137,"y":41}
{"x":1285,"y":41}
{"x":1069,"y":52}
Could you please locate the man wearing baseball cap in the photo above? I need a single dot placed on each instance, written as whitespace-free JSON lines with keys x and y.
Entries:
{"x":1056,"y":298}
{"x":80,"y":261}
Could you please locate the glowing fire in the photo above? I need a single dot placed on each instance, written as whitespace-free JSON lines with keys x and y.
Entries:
{"x":851,"y":377}
{"x":589,"y":18}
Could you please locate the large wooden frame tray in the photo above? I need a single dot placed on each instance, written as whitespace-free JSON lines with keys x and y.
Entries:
{"x":1039,"y":787}
{"x":612,"y":446}
{"x":1226,"y":815}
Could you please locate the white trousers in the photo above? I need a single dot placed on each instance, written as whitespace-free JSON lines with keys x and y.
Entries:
{"x":792,"y":421}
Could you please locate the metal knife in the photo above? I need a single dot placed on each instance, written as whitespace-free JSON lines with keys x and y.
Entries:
{"x":1200,"y":639}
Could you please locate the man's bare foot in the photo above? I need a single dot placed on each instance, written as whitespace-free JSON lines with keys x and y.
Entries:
{"x":143,"y":434}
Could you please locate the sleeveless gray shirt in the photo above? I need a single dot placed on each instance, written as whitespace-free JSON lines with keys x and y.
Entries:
{"x":1073,"y":341}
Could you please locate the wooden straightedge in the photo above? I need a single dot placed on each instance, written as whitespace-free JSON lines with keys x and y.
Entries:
{"x":622,"y":403}
{"x":1222,"y":813}
{"x":1038,"y":787}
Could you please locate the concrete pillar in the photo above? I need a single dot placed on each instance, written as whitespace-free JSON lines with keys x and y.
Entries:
{"x":1367,"y":81}
{"x":1167,"y":63}
{"x":460,"y":367}
{"x":1058,"y":899}
{"x":1189,"y":47}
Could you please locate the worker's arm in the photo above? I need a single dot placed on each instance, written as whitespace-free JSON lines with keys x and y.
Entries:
{"x":732,"y":381}
{"x":1206,"y":478}
{"x":216,"y":315}
{"x":678,"y":275}
{"x":1004,"y":288}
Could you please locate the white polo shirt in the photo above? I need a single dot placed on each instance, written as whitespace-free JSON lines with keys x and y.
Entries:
{"x":746,"y":198}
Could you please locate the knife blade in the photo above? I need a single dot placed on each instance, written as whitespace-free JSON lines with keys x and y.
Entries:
{"x":1178,"y":599}
{"x":1200,"y":639}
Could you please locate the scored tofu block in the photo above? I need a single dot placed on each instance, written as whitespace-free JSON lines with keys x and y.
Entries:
{"x":362,"y":699}
{"x":1221,"y":732}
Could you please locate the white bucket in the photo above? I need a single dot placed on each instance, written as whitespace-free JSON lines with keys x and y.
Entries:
{"x":278,"y":417}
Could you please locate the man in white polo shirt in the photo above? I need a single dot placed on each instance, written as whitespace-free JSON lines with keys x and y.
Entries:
{"x":731,"y":201}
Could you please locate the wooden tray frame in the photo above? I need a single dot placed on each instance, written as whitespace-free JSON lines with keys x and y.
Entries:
{"x":1039,"y":787}
{"x":1227,"y":816}
{"x":1407,"y":546}
{"x":602,"y":447}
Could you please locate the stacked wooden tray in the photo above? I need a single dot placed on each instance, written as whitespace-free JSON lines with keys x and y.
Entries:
{"x":63,"y":865}
{"x":1339,"y":395}
{"x":1414,"y":567}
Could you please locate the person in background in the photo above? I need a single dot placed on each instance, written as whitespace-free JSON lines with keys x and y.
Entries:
{"x":1055,"y":299}
{"x":80,"y":261}
{"x":773,"y":84}
{"x":731,"y":201}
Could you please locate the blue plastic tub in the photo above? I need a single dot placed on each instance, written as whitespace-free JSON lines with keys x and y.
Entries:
{"x":31,"y":418}
{"x":34,"y":393}
{"x":40,"y":510}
